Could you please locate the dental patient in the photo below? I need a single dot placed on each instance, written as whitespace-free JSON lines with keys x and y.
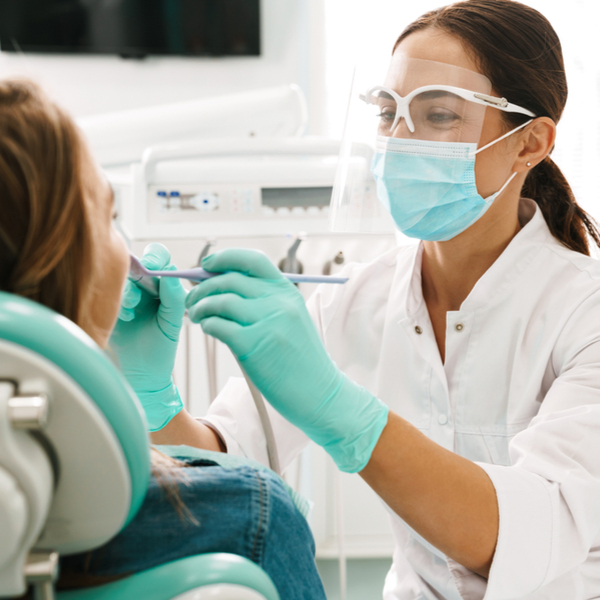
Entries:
{"x":59,"y":247}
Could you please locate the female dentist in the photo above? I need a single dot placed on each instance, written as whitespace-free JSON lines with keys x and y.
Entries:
{"x":461,"y":376}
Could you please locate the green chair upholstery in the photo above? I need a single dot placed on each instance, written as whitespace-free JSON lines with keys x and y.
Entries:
{"x":59,"y":340}
{"x":168,"y":580}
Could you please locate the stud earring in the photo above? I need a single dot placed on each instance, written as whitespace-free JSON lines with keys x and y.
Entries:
{"x":528,"y":164}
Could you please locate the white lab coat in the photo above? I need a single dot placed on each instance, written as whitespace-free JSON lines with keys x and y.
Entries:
{"x":519,"y":394}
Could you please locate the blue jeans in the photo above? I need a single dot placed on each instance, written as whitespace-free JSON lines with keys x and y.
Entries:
{"x":243,"y":511}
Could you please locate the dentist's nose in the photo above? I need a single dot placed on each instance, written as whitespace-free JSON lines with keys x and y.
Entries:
{"x":401,"y":130}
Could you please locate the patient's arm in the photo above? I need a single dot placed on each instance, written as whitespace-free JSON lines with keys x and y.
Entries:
{"x":183,"y":429}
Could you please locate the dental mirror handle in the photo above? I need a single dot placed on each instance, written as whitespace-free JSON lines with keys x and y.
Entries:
{"x":148,"y":280}
{"x":199,"y":274}
{"x":148,"y":284}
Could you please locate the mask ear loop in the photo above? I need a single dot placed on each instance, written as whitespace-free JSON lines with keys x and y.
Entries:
{"x":471,"y":154}
{"x":494,"y":196}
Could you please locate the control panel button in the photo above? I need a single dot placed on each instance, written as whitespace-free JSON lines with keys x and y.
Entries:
{"x":205,"y":201}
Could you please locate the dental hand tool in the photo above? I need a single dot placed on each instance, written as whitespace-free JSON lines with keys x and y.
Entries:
{"x":146,"y":279}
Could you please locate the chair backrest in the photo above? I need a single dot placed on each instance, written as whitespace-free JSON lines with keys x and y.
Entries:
{"x":96,"y":431}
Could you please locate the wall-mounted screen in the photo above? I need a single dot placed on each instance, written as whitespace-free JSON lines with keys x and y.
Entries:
{"x":132,"y":28}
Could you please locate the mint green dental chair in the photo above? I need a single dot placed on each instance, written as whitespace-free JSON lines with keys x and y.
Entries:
{"x":74,"y":468}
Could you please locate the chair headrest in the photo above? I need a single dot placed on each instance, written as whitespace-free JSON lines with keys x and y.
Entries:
{"x":59,"y":340}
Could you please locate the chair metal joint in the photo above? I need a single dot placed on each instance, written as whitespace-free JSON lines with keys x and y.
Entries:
{"x":41,"y":571}
{"x":28,"y":411}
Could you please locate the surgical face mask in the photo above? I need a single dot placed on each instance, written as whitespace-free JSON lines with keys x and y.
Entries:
{"x":429,"y":186}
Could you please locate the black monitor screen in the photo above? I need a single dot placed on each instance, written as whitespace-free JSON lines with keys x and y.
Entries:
{"x":131,"y":27}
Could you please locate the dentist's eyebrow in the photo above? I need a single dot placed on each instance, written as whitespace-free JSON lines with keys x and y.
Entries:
{"x":432,"y":94}
{"x":384,"y":95}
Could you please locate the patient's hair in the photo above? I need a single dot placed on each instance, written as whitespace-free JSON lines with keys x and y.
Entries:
{"x":46,"y":230}
{"x":46,"y":238}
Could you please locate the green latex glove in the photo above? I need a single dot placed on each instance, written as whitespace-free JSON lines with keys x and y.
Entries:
{"x":145,"y":340}
{"x":262,"y":317}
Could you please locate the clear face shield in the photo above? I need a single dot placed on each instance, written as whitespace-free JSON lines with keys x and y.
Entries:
{"x":418,"y":100}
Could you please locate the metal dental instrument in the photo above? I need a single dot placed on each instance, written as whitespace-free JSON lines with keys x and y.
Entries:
{"x":147,"y":279}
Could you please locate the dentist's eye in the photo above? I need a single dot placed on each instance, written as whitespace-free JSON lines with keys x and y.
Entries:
{"x":386,"y":117}
{"x":442,"y":117}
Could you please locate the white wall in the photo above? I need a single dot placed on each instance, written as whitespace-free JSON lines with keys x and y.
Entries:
{"x":96,"y":84}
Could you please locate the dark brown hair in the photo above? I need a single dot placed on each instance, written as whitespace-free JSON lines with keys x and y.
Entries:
{"x":518,"y":50}
{"x":45,"y":233}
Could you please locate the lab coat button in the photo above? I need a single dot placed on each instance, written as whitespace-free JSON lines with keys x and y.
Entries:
{"x":442,"y":419}
{"x":418,"y":330}
{"x":459,"y":327}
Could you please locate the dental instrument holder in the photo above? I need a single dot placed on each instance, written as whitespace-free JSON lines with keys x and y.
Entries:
{"x":338,"y":259}
{"x":291,"y":264}
{"x":204,"y":253}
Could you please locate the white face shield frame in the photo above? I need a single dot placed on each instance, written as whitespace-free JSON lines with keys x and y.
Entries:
{"x":403,"y":104}
{"x":418,"y":99}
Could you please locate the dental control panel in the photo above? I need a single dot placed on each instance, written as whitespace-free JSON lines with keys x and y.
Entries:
{"x":213,"y":203}
{"x":217,"y":189}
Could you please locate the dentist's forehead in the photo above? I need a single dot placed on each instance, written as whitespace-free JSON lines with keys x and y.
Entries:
{"x":406,"y":73}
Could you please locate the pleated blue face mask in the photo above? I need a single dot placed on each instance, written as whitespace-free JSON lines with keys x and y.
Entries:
{"x":429,"y":187}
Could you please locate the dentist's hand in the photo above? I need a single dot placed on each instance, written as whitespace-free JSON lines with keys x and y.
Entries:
{"x":145,"y":340}
{"x":262,"y":317}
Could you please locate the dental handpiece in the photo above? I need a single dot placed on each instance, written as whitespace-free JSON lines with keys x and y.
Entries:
{"x":148,"y":280}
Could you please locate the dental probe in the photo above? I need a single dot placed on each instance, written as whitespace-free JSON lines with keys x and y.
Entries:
{"x":146,"y":278}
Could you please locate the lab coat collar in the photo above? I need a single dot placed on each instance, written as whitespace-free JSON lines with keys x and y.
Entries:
{"x":500,"y":278}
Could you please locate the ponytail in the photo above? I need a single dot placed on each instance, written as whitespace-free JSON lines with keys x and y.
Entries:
{"x":567,"y":221}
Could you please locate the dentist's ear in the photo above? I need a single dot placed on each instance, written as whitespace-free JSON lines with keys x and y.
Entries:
{"x":537,"y":141}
